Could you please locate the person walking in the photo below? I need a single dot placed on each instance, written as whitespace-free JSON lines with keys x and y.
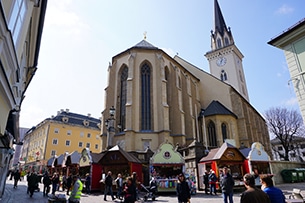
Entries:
{"x":183,"y":190}
{"x":32,"y":183}
{"x":129,"y":191}
{"x":206,"y":182}
{"x":135,"y":183}
{"x":55,"y":183}
{"x":212,"y":182}
{"x":227,"y":184}
{"x":275,"y":194}
{"x":108,"y":186}
{"x":119,"y":185}
{"x":46,"y":184}
{"x":252,"y":194}
{"x":88,"y":183}
{"x":76,"y":190}
{"x":16,"y":178}
{"x":69,"y":183}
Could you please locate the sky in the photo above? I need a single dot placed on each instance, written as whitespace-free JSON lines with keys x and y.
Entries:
{"x":80,"y":38}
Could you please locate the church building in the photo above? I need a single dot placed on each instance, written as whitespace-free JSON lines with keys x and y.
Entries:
{"x":162,"y":99}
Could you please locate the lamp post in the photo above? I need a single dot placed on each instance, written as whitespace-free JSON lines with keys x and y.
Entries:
{"x":109,"y":123}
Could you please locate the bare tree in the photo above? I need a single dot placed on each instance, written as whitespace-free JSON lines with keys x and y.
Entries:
{"x":285,"y":125}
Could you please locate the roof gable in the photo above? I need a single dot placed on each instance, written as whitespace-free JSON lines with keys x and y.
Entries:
{"x":216,"y":108}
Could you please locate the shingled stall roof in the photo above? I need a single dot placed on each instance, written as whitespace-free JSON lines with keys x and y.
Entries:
{"x":216,"y":108}
{"x":216,"y":154}
{"x":128,"y":156}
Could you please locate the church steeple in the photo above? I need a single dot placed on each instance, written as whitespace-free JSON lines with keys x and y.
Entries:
{"x":222,"y":35}
{"x":225,"y":59}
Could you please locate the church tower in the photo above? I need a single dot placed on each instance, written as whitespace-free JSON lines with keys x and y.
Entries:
{"x":225,"y":59}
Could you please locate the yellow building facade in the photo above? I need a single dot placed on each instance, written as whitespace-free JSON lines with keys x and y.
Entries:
{"x":65,"y":132}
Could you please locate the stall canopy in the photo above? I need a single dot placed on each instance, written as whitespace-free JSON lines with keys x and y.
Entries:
{"x":167,"y":155}
{"x":51,"y":161}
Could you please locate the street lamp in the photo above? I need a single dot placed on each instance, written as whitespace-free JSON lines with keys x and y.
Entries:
{"x":109,"y":123}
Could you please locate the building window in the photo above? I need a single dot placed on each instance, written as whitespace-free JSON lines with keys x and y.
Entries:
{"x":56,"y":130}
{"x":280,"y":148}
{"x":67,"y":142}
{"x":219,"y":43}
{"x":88,"y":145}
{"x":224,"y":132}
{"x":53,"y":153}
{"x":223,"y":75}
{"x":82,"y":134}
{"x":96,"y":146}
{"x":80,"y":144}
{"x":145,"y":98}
{"x":226,"y":41}
{"x":212,"y":134}
{"x":17,"y":18}
{"x":69,"y":132}
{"x":88,"y":135}
{"x":55,"y":141}
{"x":123,"y":98}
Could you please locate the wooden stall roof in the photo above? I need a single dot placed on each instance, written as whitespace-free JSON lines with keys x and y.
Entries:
{"x":50,"y":162}
{"x":117,"y":149}
{"x":224,"y":152}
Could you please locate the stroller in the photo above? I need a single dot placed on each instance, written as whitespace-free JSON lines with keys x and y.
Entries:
{"x":151,"y":191}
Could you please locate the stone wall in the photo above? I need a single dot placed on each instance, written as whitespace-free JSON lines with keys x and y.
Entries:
{"x":278,"y":166}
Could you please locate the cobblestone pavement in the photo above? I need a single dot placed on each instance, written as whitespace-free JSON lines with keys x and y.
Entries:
{"x":19,"y":195}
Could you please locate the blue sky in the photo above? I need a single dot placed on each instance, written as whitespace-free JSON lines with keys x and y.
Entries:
{"x":81,"y":37}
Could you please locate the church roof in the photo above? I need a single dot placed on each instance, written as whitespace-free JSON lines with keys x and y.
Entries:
{"x":145,"y":44}
{"x":216,"y":108}
{"x":220,"y":24}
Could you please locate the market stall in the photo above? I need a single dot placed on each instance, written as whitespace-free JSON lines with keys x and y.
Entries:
{"x":88,"y":163}
{"x":225,"y":156}
{"x":165,"y":165}
{"x":118,"y":161}
{"x":257,"y":161}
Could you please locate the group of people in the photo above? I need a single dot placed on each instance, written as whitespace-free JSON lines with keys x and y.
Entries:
{"x":266,"y":194}
{"x":127,"y":190}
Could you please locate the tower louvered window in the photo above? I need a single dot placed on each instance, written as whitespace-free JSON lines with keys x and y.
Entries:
{"x":145,"y":98}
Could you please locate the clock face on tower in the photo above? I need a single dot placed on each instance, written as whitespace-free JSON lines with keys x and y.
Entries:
{"x":221,"y":61}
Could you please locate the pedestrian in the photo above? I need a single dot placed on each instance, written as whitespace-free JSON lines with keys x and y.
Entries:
{"x":227,"y":184}
{"x":46,"y":184}
{"x":108,"y":186}
{"x":252,"y":193}
{"x":16,"y":178}
{"x":275,"y":194}
{"x":32,"y":183}
{"x":55,"y":182}
{"x":206,"y":182}
{"x":183,"y":190}
{"x":64,"y":182}
{"x":119,"y":185}
{"x":129,"y":191}
{"x":135,"y":183}
{"x":76,"y":190}
{"x":69,"y":183}
{"x":212,"y":182}
{"x":88,"y":183}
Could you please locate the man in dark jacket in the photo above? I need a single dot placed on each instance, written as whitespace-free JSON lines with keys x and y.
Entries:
{"x":16,"y":178}
{"x":32,"y":183}
{"x":206,"y":182}
{"x":108,"y":186}
{"x":46,"y":184}
{"x":227,"y":184}
{"x":183,"y":190}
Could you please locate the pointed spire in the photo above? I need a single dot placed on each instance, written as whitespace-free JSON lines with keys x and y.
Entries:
{"x":220,"y":24}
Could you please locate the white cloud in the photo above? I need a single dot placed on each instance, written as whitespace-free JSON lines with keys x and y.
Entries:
{"x":285,"y":9}
{"x":293,"y":101}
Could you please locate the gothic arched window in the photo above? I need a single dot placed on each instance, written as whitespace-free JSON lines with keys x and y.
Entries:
{"x":224,"y":131}
{"x":145,"y":97}
{"x":226,"y":41}
{"x":212,"y":134}
{"x":123,"y":98}
{"x":219,"y":43}
{"x":223,"y":75}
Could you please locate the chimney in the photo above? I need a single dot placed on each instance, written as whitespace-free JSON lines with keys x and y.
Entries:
{"x":89,"y":114}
